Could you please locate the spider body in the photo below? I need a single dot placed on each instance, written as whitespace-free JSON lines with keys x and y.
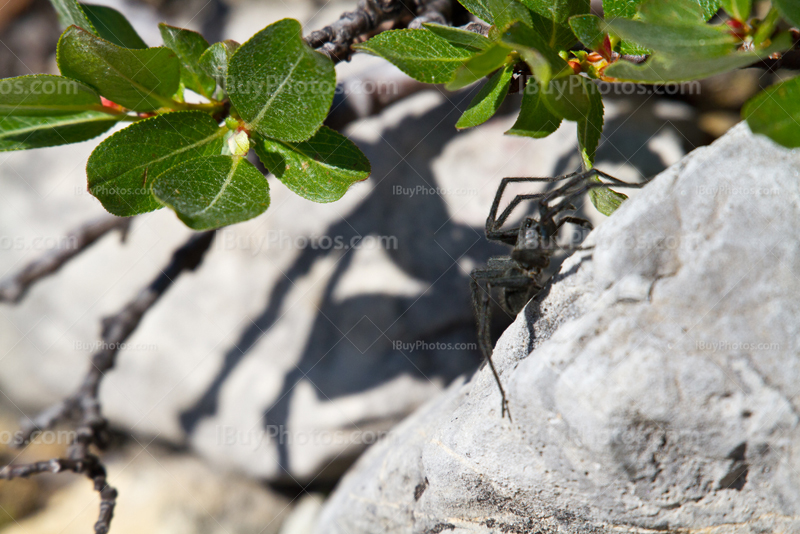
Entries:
{"x":520,"y":275}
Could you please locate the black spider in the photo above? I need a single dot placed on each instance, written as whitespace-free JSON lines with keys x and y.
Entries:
{"x":520,"y":276}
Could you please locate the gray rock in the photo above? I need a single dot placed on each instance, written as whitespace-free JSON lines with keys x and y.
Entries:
{"x":655,"y":386}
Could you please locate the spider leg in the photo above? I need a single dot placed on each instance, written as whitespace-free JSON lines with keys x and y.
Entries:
{"x":493,"y":222}
{"x":575,"y":220}
{"x":483,"y":316}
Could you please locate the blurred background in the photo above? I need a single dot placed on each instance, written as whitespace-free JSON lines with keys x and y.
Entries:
{"x":309,"y":332}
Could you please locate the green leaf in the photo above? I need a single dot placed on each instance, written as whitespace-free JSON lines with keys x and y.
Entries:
{"x":790,"y":10}
{"x":568,"y":97}
{"x":70,"y":13}
{"x":112,"y":26}
{"x":122,"y":167}
{"x":628,"y":8}
{"x":479,"y":66}
{"x":279,"y":85}
{"x":141,"y":80}
{"x":23,"y":132}
{"x":682,"y":41}
{"x":508,"y":12}
{"x":103,"y":21}
{"x":590,"y":127}
{"x":213,"y":191}
{"x":589,"y":30}
{"x":215,"y":59}
{"x":659,"y":69}
{"x":459,"y":37}
{"x":556,"y":35}
{"x":46,"y":95}
{"x":605,"y":200}
{"x":421,"y":54}
{"x":740,"y":9}
{"x":775,"y":112}
{"x":189,"y":46}
{"x":535,"y":119}
{"x":673,"y":12}
{"x":479,"y":9}
{"x":558,"y":10}
{"x":321,"y":169}
{"x":488,"y":100}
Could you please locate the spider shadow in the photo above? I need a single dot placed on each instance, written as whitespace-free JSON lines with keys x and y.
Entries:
{"x":352,"y":345}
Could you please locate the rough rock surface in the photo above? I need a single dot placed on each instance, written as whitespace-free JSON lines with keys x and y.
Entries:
{"x":654,"y":387}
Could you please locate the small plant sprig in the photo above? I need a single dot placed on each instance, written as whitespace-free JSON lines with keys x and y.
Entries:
{"x":270,"y":94}
{"x":565,"y":48}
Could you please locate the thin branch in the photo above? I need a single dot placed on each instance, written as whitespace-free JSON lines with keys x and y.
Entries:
{"x":84,"y":405}
{"x":336,"y":40}
{"x":14,"y":288}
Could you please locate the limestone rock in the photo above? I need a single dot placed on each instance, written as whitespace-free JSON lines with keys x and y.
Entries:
{"x":655,"y":385}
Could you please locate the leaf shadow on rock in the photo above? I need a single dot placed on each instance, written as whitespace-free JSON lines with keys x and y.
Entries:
{"x":428,"y":245}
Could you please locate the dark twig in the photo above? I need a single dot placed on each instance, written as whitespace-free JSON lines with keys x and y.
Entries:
{"x":84,"y":405}
{"x":336,"y":40}
{"x":436,"y":11}
{"x":14,"y":288}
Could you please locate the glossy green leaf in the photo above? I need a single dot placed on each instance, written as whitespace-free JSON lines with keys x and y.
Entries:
{"x":740,"y":9}
{"x":46,"y":95}
{"x":488,"y":100}
{"x":790,"y":10}
{"x":674,"y":12}
{"x":279,"y":85}
{"x":70,"y":13}
{"x":122,"y":167}
{"x":508,"y":12}
{"x":556,"y":35}
{"x":682,"y":41}
{"x":479,"y":66}
{"x":479,"y":9}
{"x":659,"y":69}
{"x":189,"y":46}
{"x":775,"y":113}
{"x":590,"y":127}
{"x":629,"y":8}
{"x":589,"y":30}
{"x":459,"y":37}
{"x":568,"y":97}
{"x":558,"y":10}
{"x":213,"y":191}
{"x":23,"y":132}
{"x":321,"y":169}
{"x":535,"y":118}
{"x":421,"y":54}
{"x":606,"y":200}
{"x":141,"y":80}
{"x":215,"y":59}
{"x":112,"y":26}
